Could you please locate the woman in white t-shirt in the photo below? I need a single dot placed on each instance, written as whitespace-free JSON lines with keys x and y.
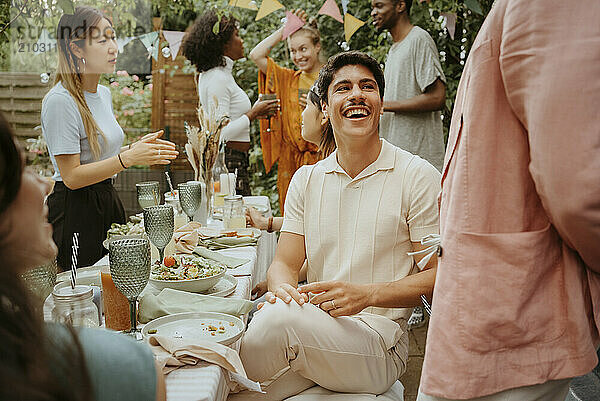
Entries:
{"x":213,"y":55}
{"x":84,"y":138}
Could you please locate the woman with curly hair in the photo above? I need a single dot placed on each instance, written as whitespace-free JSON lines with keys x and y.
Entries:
{"x":213,"y":55}
{"x":281,"y":139}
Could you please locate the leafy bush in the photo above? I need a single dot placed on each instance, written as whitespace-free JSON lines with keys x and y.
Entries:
{"x":132,"y":103}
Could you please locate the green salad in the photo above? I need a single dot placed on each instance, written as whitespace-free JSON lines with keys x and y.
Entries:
{"x":185,"y":267}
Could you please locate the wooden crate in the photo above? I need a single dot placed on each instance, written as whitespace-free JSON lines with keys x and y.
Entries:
{"x":174,"y":100}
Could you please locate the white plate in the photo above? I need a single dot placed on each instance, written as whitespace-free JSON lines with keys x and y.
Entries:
{"x":192,"y":326}
{"x":224,"y":287}
{"x":85,"y":276}
{"x":209,"y":232}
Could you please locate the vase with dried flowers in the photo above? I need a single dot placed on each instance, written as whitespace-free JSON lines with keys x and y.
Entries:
{"x":202,"y":146}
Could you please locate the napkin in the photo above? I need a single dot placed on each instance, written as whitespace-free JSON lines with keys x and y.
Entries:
{"x":170,"y":301}
{"x":173,"y":353}
{"x":227,"y":242}
{"x":186,"y":237}
{"x":229,"y":261}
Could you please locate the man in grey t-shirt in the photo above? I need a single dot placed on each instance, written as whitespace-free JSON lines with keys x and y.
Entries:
{"x":415,"y":85}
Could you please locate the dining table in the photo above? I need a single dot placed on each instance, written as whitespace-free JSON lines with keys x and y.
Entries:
{"x":206,"y":381}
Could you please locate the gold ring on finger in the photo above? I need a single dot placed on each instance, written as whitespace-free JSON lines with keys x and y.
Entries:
{"x":333,"y":304}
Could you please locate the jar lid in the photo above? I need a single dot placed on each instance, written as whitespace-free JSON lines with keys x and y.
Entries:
{"x":80,"y":292}
{"x":233,"y":198}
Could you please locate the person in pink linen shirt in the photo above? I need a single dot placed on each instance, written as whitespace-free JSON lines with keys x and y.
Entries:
{"x":516,"y":306}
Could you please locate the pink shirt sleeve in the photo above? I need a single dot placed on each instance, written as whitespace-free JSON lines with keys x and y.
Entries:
{"x":551,"y":80}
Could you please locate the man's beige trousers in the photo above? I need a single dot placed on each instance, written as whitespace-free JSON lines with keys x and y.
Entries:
{"x":289,"y":348}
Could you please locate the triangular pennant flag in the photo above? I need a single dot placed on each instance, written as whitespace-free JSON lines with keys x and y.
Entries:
{"x":331,"y":8}
{"x":148,"y":39}
{"x":345,"y":6}
{"x":249,"y":4}
{"x":450,"y":23}
{"x":351,"y":25}
{"x":267,"y":7}
{"x":151,"y":43}
{"x":292,"y":24}
{"x":174,"y":38}
{"x":122,"y":42}
{"x":44,"y":42}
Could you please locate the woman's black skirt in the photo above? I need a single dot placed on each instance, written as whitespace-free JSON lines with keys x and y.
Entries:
{"x":88,"y":211}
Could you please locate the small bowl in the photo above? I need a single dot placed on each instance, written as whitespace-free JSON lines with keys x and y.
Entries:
{"x":191,"y":285}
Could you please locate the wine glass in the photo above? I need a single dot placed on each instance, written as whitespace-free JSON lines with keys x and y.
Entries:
{"x":148,"y":193}
{"x":159,"y":223}
{"x":41,"y":280}
{"x":129,"y":261}
{"x":190,"y":197}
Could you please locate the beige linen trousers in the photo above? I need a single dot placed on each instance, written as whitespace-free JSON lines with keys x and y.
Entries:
{"x":289,"y":348}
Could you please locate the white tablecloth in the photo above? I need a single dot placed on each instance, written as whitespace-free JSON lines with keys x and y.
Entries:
{"x":206,"y":382}
{"x":266,"y":243}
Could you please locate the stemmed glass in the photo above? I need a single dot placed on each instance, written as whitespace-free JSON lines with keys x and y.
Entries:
{"x":41,"y":280}
{"x":190,"y":197}
{"x":159,"y":223}
{"x":130,"y":270}
{"x":148,"y":193}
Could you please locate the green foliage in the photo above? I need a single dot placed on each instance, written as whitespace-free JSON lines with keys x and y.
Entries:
{"x":132,"y":102}
{"x":129,"y":15}
{"x":453,"y":52}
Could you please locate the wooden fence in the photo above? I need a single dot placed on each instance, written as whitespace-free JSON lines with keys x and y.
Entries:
{"x":174,"y":100}
{"x":21,"y":97}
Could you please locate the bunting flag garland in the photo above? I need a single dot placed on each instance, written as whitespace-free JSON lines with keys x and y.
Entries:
{"x":151,"y":43}
{"x":292,"y":24}
{"x":345,"y":6}
{"x":175,"y":39}
{"x":450,"y":23}
{"x":267,"y":7}
{"x":248,"y":4}
{"x":44,"y":43}
{"x":351,"y":25}
{"x":122,"y":42}
{"x":331,"y":8}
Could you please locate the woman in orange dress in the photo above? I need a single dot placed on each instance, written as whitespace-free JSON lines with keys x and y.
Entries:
{"x":281,"y":137}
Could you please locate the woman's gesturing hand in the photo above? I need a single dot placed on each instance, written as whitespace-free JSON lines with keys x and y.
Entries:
{"x":263,"y":109}
{"x":150,"y":150}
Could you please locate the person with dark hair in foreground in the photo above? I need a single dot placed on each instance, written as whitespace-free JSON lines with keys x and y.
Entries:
{"x":520,"y":211}
{"x":353,"y":216}
{"x":213,"y":55}
{"x":51,"y":361}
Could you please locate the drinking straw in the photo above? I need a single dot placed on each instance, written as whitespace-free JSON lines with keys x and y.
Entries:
{"x":170,"y":184}
{"x":74,"y":251}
